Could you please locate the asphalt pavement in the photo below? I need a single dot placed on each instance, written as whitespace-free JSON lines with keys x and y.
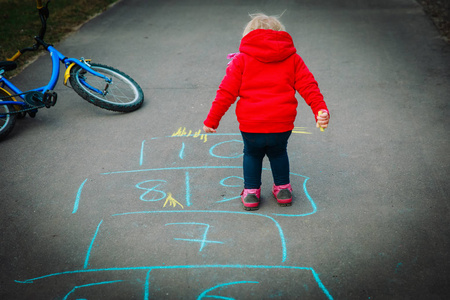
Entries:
{"x":143,"y":205}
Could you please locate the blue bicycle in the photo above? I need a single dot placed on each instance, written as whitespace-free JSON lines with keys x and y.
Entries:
{"x":101,"y":85}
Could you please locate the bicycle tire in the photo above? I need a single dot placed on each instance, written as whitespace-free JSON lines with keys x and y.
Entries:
{"x":7,"y":121}
{"x":123,"y":93}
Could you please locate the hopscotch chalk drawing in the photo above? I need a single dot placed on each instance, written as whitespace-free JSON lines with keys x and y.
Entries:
{"x":180,"y":226}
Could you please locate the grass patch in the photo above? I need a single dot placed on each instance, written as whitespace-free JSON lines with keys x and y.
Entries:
{"x":20,"y":23}
{"x":439,"y":13}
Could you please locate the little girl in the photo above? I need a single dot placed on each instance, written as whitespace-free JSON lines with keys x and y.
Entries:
{"x":265,"y":75}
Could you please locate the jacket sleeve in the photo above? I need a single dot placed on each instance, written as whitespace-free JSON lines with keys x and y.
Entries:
{"x":307,"y":87}
{"x":227,"y":93}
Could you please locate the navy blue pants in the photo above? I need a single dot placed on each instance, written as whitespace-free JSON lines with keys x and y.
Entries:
{"x":258,"y":145}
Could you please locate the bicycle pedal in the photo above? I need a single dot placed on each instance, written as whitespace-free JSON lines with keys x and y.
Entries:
{"x":32,"y":113}
{"x":49,"y":99}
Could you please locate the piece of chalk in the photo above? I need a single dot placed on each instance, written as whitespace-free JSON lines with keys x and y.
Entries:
{"x":321,"y":129}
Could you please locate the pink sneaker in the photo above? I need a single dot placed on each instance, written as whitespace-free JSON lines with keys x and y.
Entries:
{"x":283,"y":194}
{"x":250,"y":198}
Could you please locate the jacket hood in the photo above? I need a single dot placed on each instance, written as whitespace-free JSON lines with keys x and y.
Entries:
{"x":267,"y":45}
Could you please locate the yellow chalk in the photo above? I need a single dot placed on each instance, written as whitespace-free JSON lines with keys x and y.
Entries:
{"x":172,"y":202}
{"x":321,"y":129}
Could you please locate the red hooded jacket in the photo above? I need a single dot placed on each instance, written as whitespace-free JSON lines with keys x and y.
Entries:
{"x":265,"y":76}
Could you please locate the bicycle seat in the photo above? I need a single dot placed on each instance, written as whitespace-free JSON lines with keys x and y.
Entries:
{"x":8,"y":65}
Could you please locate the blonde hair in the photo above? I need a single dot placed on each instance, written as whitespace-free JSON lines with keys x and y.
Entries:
{"x":262,"y":21}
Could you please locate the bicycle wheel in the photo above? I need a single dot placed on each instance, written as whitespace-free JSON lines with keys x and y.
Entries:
{"x":7,"y":121}
{"x":123,"y":94}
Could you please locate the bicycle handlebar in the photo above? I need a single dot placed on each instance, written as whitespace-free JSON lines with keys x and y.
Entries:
{"x":43,"y":15}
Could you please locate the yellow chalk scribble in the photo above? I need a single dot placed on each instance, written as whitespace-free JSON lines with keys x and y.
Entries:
{"x":183,"y":132}
{"x":172,"y":201}
{"x":300,"y":130}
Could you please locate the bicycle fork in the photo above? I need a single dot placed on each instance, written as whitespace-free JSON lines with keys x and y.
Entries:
{"x":84,"y":64}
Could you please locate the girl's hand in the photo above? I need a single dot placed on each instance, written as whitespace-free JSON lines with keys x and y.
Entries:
{"x":322,"y":119}
{"x":208,"y":129}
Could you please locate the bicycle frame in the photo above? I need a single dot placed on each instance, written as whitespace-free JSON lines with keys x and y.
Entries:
{"x":57,"y":57}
